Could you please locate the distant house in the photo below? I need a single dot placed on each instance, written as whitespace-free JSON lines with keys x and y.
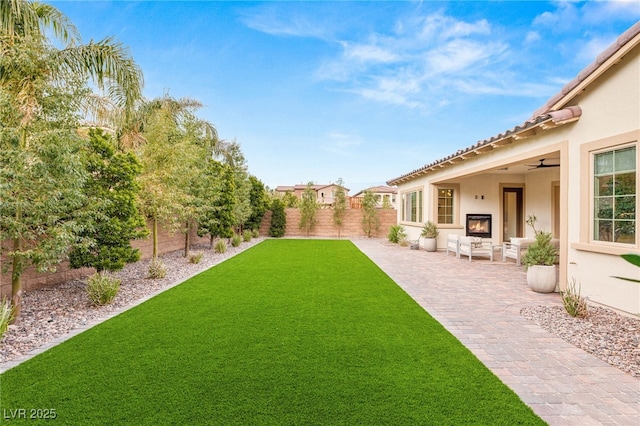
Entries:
{"x":325,"y":194}
{"x":385,"y":195}
{"x":574,"y":165}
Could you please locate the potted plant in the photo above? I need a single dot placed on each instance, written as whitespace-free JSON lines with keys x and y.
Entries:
{"x":539,"y":260}
{"x":430,"y":233}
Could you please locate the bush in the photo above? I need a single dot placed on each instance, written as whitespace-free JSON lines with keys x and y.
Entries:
{"x":220,"y":247}
{"x":255,"y":233}
{"x":101,"y":288}
{"x":196,"y":258}
{"x":157,"y":269}
{"x":6,"y":315}
{"x":236,"y":240}
{"x":247,"y":235}
{"x":396,"y":234}
{"x":574,"y":304}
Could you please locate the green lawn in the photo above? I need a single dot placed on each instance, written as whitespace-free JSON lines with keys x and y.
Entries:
{"x":287,"y":332}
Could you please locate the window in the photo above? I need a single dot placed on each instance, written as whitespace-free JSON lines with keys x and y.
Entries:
{"x":614,"y":197}
{"x":445,"y":205}
{"x":412,"y":206}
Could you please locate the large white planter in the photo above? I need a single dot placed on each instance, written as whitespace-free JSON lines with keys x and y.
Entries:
{"x":541,"y":278}
{"x":430,"y":244}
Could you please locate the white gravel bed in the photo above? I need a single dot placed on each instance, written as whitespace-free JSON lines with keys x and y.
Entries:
{"x":51,"y":312}
{"x":604,"y":333}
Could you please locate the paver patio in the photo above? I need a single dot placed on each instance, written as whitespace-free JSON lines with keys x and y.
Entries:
{"x":480,"y":303}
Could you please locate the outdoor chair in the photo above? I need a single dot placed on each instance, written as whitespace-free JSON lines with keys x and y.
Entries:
{"x":475,"y":246}
{"x":453,"y":244}
{"x":517,"y":246}
{"x":514,"y":249}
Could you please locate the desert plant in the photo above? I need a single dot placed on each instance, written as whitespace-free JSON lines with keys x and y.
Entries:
{"x":429,"y":230}
{"x":541,"y":251}
{"x":573,"y":302}
{"x":396,"y":234}
{"x":102,"y":288}
{"x":247,"y":235}
{"x":236,"y":240}
{"x":634,"y":259}
{"x":196,"y":258}
{"x":157,"y":269}
{"x":6,"y":315}
{"x":220,"y":247}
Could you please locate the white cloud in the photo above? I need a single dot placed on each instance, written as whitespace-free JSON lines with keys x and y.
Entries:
{"x":532,"y":37}
{"x":368,"y":53}
{"x":270,"y":20}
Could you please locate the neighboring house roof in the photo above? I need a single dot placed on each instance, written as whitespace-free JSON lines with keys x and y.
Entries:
{"x":381,"y":189}
{"x":553,"y":113}
{"x":285,"y":188}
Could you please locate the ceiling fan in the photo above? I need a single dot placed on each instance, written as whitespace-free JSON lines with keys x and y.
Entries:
{"x":542,"y":165}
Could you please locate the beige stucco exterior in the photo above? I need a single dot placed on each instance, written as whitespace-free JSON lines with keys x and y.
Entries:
{"x":608,"y":117}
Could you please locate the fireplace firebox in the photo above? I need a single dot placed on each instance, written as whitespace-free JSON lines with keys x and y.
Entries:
{"x":479,"y":225}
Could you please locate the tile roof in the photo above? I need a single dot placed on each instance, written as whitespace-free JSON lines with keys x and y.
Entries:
{"x":547,"y":116}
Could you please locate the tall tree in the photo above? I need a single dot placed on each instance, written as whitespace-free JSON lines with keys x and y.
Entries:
{"x":259,"y":203}
{"x":217,"y":218}
{"x":340,"y":205}
{"x":34,"y":75}
{"x":370,"y":216}
{"x":110,"y":218}
{"x":308,"y":209}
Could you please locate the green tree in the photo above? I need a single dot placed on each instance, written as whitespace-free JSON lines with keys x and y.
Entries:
{"x":308,"y":209}
{"x":278,"y":219}
{"x":259,"y":203}
{"x":289,"y":200}
{"x":242,"y":185}
{"x":370,"y":216}
{"x":42,"y":187}
{"x":110,"y":218}
{"x":217,"y":218}
{"x":340,"y":205}
{"x":166,"y":154}
{"x":35,"y":77}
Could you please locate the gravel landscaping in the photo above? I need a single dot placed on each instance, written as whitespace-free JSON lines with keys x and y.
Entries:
{"x":52,"y":312}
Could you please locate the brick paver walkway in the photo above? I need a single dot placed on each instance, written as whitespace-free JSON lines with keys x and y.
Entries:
{"x":480,"y":303}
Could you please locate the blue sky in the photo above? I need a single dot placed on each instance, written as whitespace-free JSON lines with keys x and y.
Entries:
{"x":363,"y":91}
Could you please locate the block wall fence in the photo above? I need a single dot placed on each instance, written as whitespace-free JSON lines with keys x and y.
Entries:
{"x":172,"y":241}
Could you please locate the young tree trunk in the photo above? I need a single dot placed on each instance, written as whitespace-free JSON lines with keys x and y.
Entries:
{"x":16,"y":280}
{"x":211,"y":242}
{"x":155,"y":238}
{"x":187,"y":240}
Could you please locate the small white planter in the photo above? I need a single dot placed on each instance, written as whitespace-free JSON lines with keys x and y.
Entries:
{"x":541,"y":278}
{"x":430,"y":244}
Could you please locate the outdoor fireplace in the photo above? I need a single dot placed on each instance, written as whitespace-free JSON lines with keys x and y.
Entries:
{"x":479,"y":225}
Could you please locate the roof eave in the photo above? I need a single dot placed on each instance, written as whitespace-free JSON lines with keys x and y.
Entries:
{"x":530,"y":128}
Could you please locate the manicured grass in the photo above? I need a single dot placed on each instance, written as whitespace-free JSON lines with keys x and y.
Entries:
{"x":288,"y":332}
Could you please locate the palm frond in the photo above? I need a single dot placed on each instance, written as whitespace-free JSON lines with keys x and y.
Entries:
{"x":109,"y":65}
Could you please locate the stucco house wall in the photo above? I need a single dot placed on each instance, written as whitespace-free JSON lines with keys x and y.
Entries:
{"x":602,"y":112}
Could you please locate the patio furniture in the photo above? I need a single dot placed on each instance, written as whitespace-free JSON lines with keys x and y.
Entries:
{"x":475,"y":246}
{"x":453,"y":244}
{"x":514,"y":249}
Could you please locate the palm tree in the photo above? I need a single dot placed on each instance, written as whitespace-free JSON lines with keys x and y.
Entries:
{"x":31,"y":67}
